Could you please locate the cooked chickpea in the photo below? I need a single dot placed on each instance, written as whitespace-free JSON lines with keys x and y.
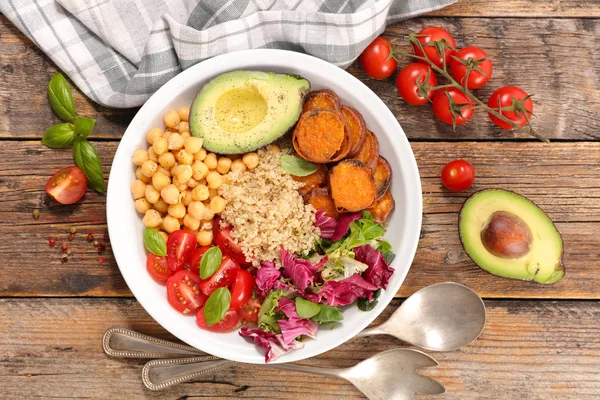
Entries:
{"x":204,"y":238}
{"x":160,"y":146}
{"x":192,"y":183}
{"x":152,"y":219}
{"x":142,"y":205}
{"x":191,"y":222}
{"x":161,"y":206}
{"x":171,"y":224}
{"x":214,"y":180}
{"x":149,"y":168}
{"x":273,"y":148}
{"x":208,"y":213}
{"x":185,"y":135}
{"x":172,"y":119}
{"x":170,"y":194}
{"x":199,"y":170}
{"x":183,"y":157}
{"x":175,"y":141}
{"x":200,"y":155}
{"x":217,"y":204}
{"x":163,"y":171}
{"x":152,"y":156}
{"x":138,"y":189}
{"x":139,"y":157}
{"x":223,"y":165}
{"x":181,"y":186}
{"x":192,"y":144}
{"x":152,"y":195}
{"x":211,"y":161}
{"x":184,"y":113}
{"x":212,"y":193}
{"x":165,"y":235}
{"x":238,"y":166}
{"x":153,"y":134}
{"x":183,"y":173}
{"x":160,"y":181}
{"x":196,"y":209}
{"x":200,"y":193}
{"x":186,"y":197}
{"x":251,"y":160}
{"x":166,"y":160}
{"x":177,"y":210}
{"x":183,"y":127}
{"x":140,"y":175}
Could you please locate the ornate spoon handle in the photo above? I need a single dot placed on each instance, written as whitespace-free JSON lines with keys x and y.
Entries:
{"x":120,"y":342}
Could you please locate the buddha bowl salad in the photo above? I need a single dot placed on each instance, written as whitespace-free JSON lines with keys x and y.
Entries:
{"x":271,"y":239}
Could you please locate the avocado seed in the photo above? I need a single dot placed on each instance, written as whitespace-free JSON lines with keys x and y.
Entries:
{"x":506,"y":235}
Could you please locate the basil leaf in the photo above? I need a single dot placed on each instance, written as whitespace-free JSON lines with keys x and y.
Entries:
{"x":154,"y":242}
{"x":217,"y":306}
{"x":210,"y":262}
{"x":61,"y":99}
{"x":328,"y":314}
{"x":59,"y":136}
{"x":84,"y":125}
{"x":306,"y":308}
{"x":297,"y":166}
{"x":87,"y":159}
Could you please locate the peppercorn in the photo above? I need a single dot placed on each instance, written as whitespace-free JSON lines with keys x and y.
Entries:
{"x":101,"y":247}
{"x":64,"y":246}
{"x":90,"y":237}
{"x":95,"y":243}
{"x":100,"y":260}
{"x":36,"y":213}
{"x":69,"y":251}
{"x":73,"y":229}
{"x":106,"y":236}
{"x":51,"y":241}
{"x":71,"y":236}
{"x":64,"y":258}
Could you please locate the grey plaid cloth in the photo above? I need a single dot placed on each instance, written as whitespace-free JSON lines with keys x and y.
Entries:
{"x":119,"y":52}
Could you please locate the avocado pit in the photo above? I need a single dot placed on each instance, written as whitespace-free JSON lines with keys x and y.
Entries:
{"x":506,"y":235}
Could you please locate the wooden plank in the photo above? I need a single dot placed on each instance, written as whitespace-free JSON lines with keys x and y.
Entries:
{"x":537,"y":55}
{"x":534,"y":350}
{"x":561,"y":177}
{"x":521,"y":8}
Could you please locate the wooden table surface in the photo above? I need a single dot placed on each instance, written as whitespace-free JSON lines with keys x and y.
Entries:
{"x":541,"y":342}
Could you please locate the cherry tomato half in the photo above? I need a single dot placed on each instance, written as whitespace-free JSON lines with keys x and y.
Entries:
{"x":441,"y":106}
{"x":407,"y":80}
{"x":224,"y":276}
{"x":229,"y":322}
{"x":241,"y":289}
{"x":249,"y":310}
{"x":376,"y":60}
{"x":216,"y":226}
{"x":511,"y":96}
{"x":183,"y":292}
{"x":432,"y":34}
{"x":196,"y":257}
{"x":471,"y":56}
{"x":228,"y":246}
{"x":157,"y":268}
{"x":180,"y":246}
{"x":67,"y":185}
{"x":458,"y":175}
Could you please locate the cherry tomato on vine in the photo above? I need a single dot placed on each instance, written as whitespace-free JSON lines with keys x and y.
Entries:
{"x":407,"y":80}
{"x":456,"y":113}
{"x":67,"y":185}
{"x":515,"y":104}
{"x":432,"y":34}
{"x":458,"y":175}
{"x":471,"y":57}
{"x":376,"y":60}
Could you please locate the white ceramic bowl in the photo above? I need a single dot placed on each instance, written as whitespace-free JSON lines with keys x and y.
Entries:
{"x":125,"y":224}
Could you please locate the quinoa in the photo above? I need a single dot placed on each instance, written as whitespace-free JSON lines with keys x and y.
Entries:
{"x":267,"y":212}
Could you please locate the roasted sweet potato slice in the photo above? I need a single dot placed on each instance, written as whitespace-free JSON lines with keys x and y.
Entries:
{"x":313,"y":180}
{"x":322,"y":200}
{"x":321,"y":99}
{"x":382,"y":209}
{"x":319,"y":135}
{"x":344,"y":149}
{"x":382,"y":176}
{"x":369,"y":151}
{"x":352,"y":185}
{"x":356,"y":126}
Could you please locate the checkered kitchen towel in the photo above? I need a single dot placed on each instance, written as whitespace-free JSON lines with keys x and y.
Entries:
{"x":119,"y":52}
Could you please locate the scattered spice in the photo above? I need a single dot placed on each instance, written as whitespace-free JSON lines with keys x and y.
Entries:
{"x":95,"y":243}
{"x":73,"y":230}
{"x":51,"y":241}
{"x":106,"y":236}
{"x":71,"y":236}
{"x":100,"y":260}
{"x":101,"y":247}
{"x":64,"y":258}
{"x":90,"y":237}
{"x":64,"y":246}
{"x":36,"y":213}
{"x":69,"y":251}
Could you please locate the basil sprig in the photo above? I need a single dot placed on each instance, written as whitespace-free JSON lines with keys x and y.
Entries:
{"x":61,"y":99}
{"x":154,"y":242}
{"x":297,"y":166}
{"x":87,"y":160}
{"x":84,"y":125}
{"x":217,"y":306}
{"x":59,"y":136}
{"x":210,"y":262}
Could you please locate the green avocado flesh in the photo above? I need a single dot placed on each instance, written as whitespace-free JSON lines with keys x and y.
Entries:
{"x":241,"y":111}
{"x":508,"y":235}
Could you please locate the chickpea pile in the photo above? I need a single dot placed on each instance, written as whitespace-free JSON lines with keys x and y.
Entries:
{"x":177,"y":180}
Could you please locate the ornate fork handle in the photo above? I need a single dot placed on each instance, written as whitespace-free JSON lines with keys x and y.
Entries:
{"x":120,"y":342}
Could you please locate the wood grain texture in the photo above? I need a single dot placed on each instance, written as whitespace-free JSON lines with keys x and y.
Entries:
{"x":521,"y":8}
{"x":563,"y":178}
{"x":555,"y":59}
{"x":535,"y":350}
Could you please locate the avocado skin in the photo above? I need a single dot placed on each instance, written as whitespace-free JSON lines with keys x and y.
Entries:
{"x":488,"y":262}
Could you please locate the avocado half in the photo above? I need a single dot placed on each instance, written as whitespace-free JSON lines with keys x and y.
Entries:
{"x":241,"y":111}
{"x":508,"y":235}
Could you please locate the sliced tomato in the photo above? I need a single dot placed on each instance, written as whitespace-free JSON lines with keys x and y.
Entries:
{"x":67,"y":185}
{"x":216,"y":226}
{"x":229,"y":322}
{"x":180,"y":246}
{"x":157,"y":268}
{"x":241,"y":289}
{"x":184,"y":293}
{"x":224,"y":276}
{"x":196,"y":257}
{"x":228,"y":245}
{"x":249,"y":310}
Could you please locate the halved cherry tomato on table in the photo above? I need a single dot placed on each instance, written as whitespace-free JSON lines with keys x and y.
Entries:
{"x":458,"y":175}
{"x":196,"y":257}
{"x":432,"y":34}
{"x":516,"y":105}
{"x":442,"y":107}
{"x":224,"y":276}
{"x":376,"y":60}
{"x":157,"y":268}
{"x":183,"y":292}
{"x":67,"y":185}
{"x":241,"y":290}
{"x":408,"y":80}
{"x":476,"y":59}
{"x":229,"y":322}
{"x":249,"y":310}
{"x":228,"y":245}
{"x":180,"y":246}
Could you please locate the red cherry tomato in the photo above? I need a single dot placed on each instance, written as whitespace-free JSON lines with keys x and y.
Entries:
{"x":180,"y":246}
{"x":67,"y":185}
{"x":241,"y":289}
{"x":229,"y":322}
{"x":196,"y":257}
{"x":376,"y":60}
{"x":458,"y":175}
{"x":224,"y":276}
{"x":471,"y":56}
{"x":407,"y":79}
{"x":228,"y":246}
{"x":183,"y":292}
{"x":249,"y":311}
{"x":511,"y":96}
{"x":157,"y":268}
{"x":431,"y":34}
{"x":441,"y":106}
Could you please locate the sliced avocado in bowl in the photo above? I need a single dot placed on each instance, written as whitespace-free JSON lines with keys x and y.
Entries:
{"x":508,"y":235}
{"x":241,"y":111}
